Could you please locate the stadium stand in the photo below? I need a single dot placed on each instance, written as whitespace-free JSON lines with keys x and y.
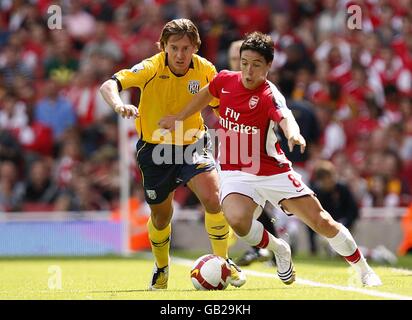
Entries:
{"x":358,"y":81}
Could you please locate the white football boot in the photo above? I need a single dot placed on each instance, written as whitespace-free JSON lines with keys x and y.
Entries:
{"x":370,"y":279}
{"x":283,"y":256}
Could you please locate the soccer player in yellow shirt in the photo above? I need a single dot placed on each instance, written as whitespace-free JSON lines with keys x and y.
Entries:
{"x":167,"y":82}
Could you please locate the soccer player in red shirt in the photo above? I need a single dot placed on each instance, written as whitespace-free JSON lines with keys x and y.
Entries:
{"x":251,"y":109}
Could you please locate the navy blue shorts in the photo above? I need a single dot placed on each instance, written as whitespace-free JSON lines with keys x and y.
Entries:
{"x":164,"y":167}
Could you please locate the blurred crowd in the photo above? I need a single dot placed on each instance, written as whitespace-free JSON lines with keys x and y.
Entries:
{"x":349,"y":88}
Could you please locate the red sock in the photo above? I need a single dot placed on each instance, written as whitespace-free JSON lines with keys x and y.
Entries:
{"x":355,"y":257}
{"x":265,"y":240}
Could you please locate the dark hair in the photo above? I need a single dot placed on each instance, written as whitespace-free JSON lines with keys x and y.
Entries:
{"x":261,"y":43}
{"x":324,"y":169}
{"x":180,"y":27}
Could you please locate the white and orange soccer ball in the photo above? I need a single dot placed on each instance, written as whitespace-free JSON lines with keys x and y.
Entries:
{"x":210,"y":272}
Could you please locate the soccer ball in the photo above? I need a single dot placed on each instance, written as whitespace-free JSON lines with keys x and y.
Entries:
{"x":210,"y":272}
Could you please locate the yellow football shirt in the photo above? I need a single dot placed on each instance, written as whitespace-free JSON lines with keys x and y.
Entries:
{"x":163,"y":93}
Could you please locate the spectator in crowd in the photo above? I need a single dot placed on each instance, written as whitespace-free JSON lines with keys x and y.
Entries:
{"x":333,"y":138}
{"x":69,"y":157}
{"x":233,"y":56}
{"x":358,"y":82}
{"x":122,"y":32}
{"x":55,"y":110}
{"x":218,"y":31}
{"x":334,"y":196}
{"x":103,"y":167}
{"x":249,"y":16}
{"x":35,"y":138}
{"x":13,"y":114}
{"x":283,"y":36}
{"x":83,"y":93}
{"x":332,"y":19}
{"x":149,"y":26}
{"x":80,"y":195}
{"x":101,"y":45}
{"x":386,"y":186}
{"x":182,"y":9}
{"x":11,"y":189}
{"x":40,"y":187}
{"x":305,"y":116}
{"x":79,"y":23}
{"x":10,"y":149}
{"x":60,"y":63}
{"x":101,"y":10}
{"x":11,"y":65}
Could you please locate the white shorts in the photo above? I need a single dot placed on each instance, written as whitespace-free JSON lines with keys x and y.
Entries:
{"x":260,"y":189}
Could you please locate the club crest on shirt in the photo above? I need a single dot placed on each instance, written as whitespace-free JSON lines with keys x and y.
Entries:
{"x":194,"y":86}
{"x":253,"y":102}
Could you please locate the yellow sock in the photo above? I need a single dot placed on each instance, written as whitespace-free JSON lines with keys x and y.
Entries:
{"x":232,"y":239}
{"x":218,"y":231}
{"x":160,"y":242}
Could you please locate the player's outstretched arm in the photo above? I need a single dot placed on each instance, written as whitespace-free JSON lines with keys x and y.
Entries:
{"x":292,"y":133}
{"x":111,"y":95}
{"x":199,"y":101}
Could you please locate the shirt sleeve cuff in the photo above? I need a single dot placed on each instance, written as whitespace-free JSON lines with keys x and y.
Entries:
{"x":119,"y":85}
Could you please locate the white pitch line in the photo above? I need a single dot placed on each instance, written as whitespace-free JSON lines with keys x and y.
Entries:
{"x":311,"y":283}
{"x":406,"y":272}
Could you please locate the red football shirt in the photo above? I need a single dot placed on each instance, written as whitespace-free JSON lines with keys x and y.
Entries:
{"x":248,"y":124}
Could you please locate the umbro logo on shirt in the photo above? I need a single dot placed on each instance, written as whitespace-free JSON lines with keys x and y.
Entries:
{"x":163,"y":76}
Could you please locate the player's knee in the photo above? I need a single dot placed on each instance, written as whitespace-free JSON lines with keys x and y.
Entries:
{"x":326,"y":226}
{"x":238,"y":223}
{"x":161,"y":219}
{"x":211,"y":202}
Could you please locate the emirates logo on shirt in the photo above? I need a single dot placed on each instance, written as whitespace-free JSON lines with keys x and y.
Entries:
{"x":253,"y":102}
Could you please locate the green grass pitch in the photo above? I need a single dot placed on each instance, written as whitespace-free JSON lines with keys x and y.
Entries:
{"x":109,"y":278}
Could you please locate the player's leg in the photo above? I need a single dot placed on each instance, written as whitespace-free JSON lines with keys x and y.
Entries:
{"x":255,"y":253}
{"x":159,"y":185}
{"x":200,"y":175}
{"x":216,"y":224}
{"x":312,"y":241}
{"x":159,"y":228}
{"x":240,"y":211}
{"x":266,"y":219}
{"x":310,"y":211}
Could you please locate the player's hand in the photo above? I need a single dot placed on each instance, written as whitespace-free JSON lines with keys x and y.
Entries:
{"x":127,"y":111}
{"x":168,"y":122}
{"x":297,"y":140}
